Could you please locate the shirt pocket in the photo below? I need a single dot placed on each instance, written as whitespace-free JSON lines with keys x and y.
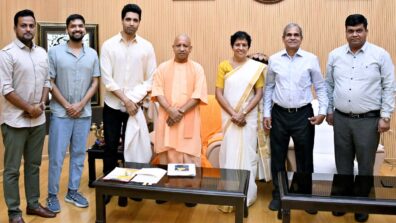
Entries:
{"x":369,"y":71}
{"x":41,"y":70}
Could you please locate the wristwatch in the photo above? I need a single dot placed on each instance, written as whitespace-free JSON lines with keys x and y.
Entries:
{"x":386,"y":119}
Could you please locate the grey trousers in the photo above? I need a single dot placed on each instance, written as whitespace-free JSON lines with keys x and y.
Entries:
{"x":18,"y":143}
{"x":355,"y":137}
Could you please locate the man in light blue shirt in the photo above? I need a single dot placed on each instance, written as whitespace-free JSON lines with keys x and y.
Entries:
{"x":360,"y":85}
{"x":287,"y":105}
{"x":74,"y":72}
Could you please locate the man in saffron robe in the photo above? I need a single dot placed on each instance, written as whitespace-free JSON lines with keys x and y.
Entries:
{"x":179,"y":87}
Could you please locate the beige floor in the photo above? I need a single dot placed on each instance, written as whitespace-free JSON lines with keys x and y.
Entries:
{"x":148,"y":211}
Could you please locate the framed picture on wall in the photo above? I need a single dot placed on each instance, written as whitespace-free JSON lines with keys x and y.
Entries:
{"x":52,"y":34}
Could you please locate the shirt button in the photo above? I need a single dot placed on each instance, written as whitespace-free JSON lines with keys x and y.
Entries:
{"x":350,"y":89}
{"x":351,"y":78}
{"x":349,"y":100}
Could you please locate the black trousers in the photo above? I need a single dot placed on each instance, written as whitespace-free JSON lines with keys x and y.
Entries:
{"x":114,"y":122}
{"x":295,"y":124}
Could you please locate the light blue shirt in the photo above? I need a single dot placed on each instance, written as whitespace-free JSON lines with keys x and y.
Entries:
{"x":73,"y":76}
{"x":289,"y":81}
{"x":360,"y":82}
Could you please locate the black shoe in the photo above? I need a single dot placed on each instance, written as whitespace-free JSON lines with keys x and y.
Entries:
{"x":136,"y":199}
{"x":274,"y":205}
{"x":160,"y":201}
{"x":313,"y":212}
{"x":106,"y":199}
{"x":122,"y":201}
{"x":361,"y":217}
{"x":190,"y":205}
{"x":338,"y":213}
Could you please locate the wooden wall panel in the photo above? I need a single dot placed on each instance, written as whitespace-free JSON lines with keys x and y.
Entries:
{"x":210,"y":24}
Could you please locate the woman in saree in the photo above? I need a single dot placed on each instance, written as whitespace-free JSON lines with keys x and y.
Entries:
{"x":239,"y":89}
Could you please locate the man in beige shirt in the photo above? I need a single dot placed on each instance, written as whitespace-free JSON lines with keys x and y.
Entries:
{"x":25,"y":85}
{"x":127,"y":62}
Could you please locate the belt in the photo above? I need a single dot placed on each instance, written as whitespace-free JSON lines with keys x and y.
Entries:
{"x":292,"y":110}
{"x":370,"y":114}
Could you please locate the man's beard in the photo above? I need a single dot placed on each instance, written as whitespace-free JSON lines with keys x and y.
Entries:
{"x":76,"y":39}
{"x":26,"y":41}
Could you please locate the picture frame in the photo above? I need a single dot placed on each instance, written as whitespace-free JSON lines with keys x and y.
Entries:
{"x":52,"y":34}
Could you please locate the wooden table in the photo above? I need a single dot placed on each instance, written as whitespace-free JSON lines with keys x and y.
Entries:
{"x":343,"y":193}
{"x":209,"y":186}
{"x":97,"y":152}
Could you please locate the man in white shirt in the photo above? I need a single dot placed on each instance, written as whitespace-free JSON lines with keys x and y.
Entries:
{"x":287,"y":105}
{"x":24,"y":87}
{"x":360,"y":86}
{"x":127,"y":62}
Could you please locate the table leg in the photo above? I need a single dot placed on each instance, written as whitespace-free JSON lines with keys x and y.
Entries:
{"x":239,"y":212}
{"x":91,"y":170}
{"x":100,"y":207}
{"x":285,"y":216}
{"x":246,"y":211}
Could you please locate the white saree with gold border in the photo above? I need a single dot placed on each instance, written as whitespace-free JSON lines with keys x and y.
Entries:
{"x":239,"y":145}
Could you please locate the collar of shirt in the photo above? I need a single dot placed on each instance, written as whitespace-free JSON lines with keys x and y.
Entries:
{"x":135,"y":40}
{"x":22,"y":45}
{"x":69,"y":50}
{"x":299,"y":53}
{"x":363,"y":49}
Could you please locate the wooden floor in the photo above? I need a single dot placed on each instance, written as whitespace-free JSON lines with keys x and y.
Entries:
{"x":148,"y":211}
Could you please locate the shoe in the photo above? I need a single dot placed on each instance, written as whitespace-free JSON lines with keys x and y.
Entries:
{"x":40,"y":211}
{"x":122,"y":201}
{"x":136,"y":199}
{"x":76,"y":198}
{"x":274,"y":205}
{"x":106,"y":199}
{"x":312,"y":212}
{"x":190,"y":205}
{"x":53,"y":203}
{"x":18,"y":219}
{"x":338,"y":213}
{"x":160,"y":202}
{"x":361,"y":217}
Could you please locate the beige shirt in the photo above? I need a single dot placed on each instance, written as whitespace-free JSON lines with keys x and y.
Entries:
{"x":127,"y":66}
{"x":25,"y":72}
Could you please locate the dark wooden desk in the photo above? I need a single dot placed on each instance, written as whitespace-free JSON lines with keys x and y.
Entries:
{"x":343,"y":193}
{"x":96,"y":152}
{"x":209,"y":186}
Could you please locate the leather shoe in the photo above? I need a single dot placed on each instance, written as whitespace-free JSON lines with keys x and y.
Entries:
{"x":160,"y":202}
{"x":106,"y":199}
{"x":361,"y":217}
{"x":40,"y":211}
{"x":122,"y":201}
{"x":274,"y":205}
{"x":136,"y":199}
{"x":190,"y":205}
{"x":18,"y":219}
{"x":312,"y":212}
{"x":338,"y":213}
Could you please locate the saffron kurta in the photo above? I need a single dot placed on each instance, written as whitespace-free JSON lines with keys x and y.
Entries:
{"x":178,"y":83}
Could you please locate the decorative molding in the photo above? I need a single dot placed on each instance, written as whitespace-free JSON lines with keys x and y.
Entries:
{"x":268,"y":1}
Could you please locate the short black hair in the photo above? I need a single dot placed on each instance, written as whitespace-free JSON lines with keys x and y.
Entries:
{"x":73,"y":17}
{"x":131,"y":8}
{"x":356,"y":19}
{"x":241,"y":35}
{"x":23,"y":13}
